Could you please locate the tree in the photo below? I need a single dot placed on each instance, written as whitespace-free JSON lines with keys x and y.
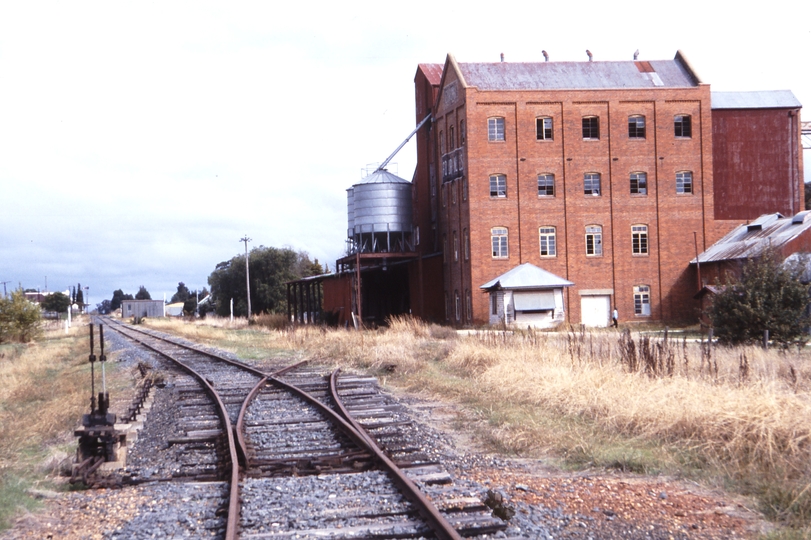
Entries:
{"x":769,"y":295}
{"x":142,"y":294}
{"x":58,"y":302}
{"x":807,"y":195}
{"x":19,"y":318}
{"x":118,"y":297}
{"x":183,"y":293}
{"x":104,"y":307}
{"x":270,"y":268}
{"x":79,"y":296}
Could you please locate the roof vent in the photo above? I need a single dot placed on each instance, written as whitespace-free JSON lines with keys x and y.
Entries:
{"x":502,"y":57}
{"x":545,"y":56}
{"x":636,"y":54}
{"x":801,"y":217}
{"x":591,"y":57}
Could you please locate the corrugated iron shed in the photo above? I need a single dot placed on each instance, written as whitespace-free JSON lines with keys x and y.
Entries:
{"x":750,"y":240}
{"x":527,"y":276}
{"x":433,"y":72}
{"x":576,"y":75}
{"x":774,"y":99}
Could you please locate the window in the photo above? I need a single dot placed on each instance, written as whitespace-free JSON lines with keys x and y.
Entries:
{"x":468,"y":305}
{"x":454,"y":188}
{"x":417,"y":235}
{"x":462,"y":134}
{"x":639,"y":239}
{"x":466,"y":241}
{"x":546,"y":185}
{"x":444,"y":248}
{"x":498,"y":236}
{"x":594,"y":241}
{"x":443,"y":194}
{"x":441,"y":145}
{"x":682,"y":126}
{"x":684,"y":182}
{"x":639,"y":183}
{"x":451,"y":139}
{"x":591,"y":128}
{"x":591,"y":184}
{"x":498,"y":185}
{"x":456,"y":306}
{"x":494,"y":303}
{"x":636,"y":127}
{"x":642,"y":300}
{"x":464,"y":188}
{"x":547,"y":241}
{"x":495,"y":129}
{"x":455,"y":246}
{"x":543,"y":128}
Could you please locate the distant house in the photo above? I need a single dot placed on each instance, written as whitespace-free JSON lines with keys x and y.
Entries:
{"x":175,"y":310}
{"x":527,"y":295}
{"x":142,"y":308}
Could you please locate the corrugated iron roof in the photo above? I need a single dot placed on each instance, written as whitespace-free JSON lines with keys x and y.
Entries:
{"x":771,"y":99}
{"x":527,"y":276}
{"x":750,"y":240}
{"x":433,"y":72}
{"x":576,"y":75}
{"x":382,"y":176}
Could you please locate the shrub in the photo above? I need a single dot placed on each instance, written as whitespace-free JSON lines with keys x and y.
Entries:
{"x":19,"y":318}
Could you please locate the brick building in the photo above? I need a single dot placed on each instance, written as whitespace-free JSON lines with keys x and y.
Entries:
{"x":601,"y":173}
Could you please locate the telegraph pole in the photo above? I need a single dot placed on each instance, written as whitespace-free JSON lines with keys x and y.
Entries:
{"x":4,"y":288}
{"x":247,"y":275}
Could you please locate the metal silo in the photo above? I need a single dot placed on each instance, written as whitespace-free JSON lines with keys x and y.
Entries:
{"x":350,"y":212}
{"x":381,"y":204}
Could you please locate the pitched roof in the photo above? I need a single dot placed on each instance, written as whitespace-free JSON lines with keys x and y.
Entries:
{"x":772,"y":99}
{"x":527,"y":276}
{"x":432,"y":72}
{"x":750,"y":240}
{"x":674,"y":73}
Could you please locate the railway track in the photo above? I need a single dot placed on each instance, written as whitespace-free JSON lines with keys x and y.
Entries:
{"x":296,"y":452}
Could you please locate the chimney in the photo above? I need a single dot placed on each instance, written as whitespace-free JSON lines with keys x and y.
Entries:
{"x":502,"y":57}
{"x":588,"y":52}
{"x":636,"y":54}
{"x":545,"y":56}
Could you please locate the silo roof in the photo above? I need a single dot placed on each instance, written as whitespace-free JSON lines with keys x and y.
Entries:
{"x":382,"y":176}
{"x":577,"y":75}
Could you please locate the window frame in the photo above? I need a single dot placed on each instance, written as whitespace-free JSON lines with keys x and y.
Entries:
{"x":589,"y":180}
{"x":466,"y":243}
{"x":594,"y":240}
{"x":549,"y":188}
{"x":683,"y":126}
{"x":684,"y":183}
{"x":496,"y":131}
{"x":455,"y":246}
{"x":502,"y":236}
{"x":634,"y":130}
{"x":498,"y":193}
{"x":640,"y":178}
{"x":542,"y":131}
{"x":591,"y":128}
{"x":451,"y":139}
{"x":462,"y":133}
{"x":640,"y":240}
{"x":642,"y":299}
{"x":547,"y":234}
{"x":441,"y":143}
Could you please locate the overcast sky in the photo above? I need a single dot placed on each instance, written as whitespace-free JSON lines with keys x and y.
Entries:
{"x":139,"y":141}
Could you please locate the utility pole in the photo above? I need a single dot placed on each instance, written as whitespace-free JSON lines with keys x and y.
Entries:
{"x":4,"y":288}
{"x":247,"y":275}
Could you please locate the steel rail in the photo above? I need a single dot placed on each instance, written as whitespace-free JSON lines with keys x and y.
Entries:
{"x":222,"y":412}
{"x":443,"y":529}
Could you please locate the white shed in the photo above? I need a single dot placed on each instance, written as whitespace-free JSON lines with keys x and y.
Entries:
{"x":527,"y":296}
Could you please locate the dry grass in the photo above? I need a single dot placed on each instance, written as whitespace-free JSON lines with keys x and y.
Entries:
{"x":728,"y":416}
{"x":44,"y":390}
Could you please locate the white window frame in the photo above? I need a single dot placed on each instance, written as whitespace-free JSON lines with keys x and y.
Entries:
{"x":642,"y":300}
{"x":639,"y":239}
{"x":499,"y":241}
{"x":547,"y":241}
{"x":544,"y":128}
{"x":546,"y":183}
{"x":592,"y":184}
{"x":594,"y":241}
{"x":495,"y":129}
{"x":684,"y":182}
{"x":498,"y":186}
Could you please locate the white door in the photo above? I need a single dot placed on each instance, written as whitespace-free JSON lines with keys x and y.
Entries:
{"x":595,"y":310}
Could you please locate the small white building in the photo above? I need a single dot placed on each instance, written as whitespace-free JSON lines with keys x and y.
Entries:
{"x":527,"y":296}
